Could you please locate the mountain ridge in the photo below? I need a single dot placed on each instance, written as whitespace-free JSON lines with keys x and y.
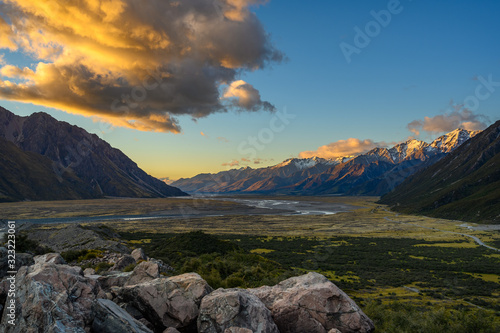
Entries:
{"x":98,"y":167}
{"x":380,"y":169}
{"x":464,"y":185}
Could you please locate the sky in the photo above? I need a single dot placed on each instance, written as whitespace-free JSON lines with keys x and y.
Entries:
{"x":195,"y":86}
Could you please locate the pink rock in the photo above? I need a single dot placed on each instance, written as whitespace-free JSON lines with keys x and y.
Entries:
{"x":311,"y":303}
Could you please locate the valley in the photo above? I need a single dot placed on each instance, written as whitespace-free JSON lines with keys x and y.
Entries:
{"x":379,"y":257}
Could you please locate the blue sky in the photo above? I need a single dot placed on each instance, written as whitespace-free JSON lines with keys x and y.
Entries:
{"x":429,"y":54}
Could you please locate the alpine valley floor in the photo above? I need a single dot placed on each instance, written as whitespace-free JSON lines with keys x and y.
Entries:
{"x":382,"y":259}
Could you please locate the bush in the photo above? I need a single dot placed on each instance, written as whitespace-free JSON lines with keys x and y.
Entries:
{"x":102,"y":266}
{"x":403,"y":317}
{"x":26,"y":245}
{"x":129,"y":268}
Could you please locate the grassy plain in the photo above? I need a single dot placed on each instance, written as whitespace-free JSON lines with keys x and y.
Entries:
{"x":378,"y":257}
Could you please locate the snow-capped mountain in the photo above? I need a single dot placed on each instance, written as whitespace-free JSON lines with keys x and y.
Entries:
{"x":373,"y":173}
{"x":452,"y":140}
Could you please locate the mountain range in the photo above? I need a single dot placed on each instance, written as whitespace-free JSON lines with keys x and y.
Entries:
{"x":464,"y":185}
{"x":374,"y":173}
{"x":46,"y":159}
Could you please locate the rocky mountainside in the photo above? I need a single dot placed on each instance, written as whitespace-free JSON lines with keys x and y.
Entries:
{"x":374,"y":173}
{"x":84,"y":165}
{"x":28,"y":175}
{"x":464,"y":185}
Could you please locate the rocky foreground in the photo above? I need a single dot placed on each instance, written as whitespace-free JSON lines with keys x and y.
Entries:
{"x":52,"y":296}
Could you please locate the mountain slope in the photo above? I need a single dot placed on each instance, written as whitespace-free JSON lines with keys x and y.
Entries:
{"x":464,"y":185}
{"x":30,"y":176}
{"x":101,"y":169}
{"x":374,"y":173}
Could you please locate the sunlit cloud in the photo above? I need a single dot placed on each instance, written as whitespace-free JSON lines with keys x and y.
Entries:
{"x":245,"y":96}
{"x":232,"y":163}
{"x":343,"y":148}
{"x":135,"y":64}
{"x":222,"y":139}
{"x":458,"y":118}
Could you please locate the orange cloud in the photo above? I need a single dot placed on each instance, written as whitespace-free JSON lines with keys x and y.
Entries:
{"x":341,"y":148}
{"x":246,"y":96}
{"x":459,"y":118}
{"x":137,"y":66}
{"x":232,"y":163}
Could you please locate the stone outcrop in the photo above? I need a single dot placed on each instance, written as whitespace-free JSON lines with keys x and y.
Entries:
{"x":311,"y":303}
{"x":145,"y":271}
{"x":50,"y":258}
{"x":52,"y":298}
{"x":234,"y":310}
{"x":22,"y":259}
{"x":110,"y":318}
{"x":122,"y":262}
{"x":138,"y":254}
{"x":81,"y":238}
{"x":167,"y":302}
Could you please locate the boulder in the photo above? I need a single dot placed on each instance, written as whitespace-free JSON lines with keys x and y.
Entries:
{"x":237,"y":330}
{"x":311,"y":303}
{"x":123,"y":262}
{"x":88,"y":271}
{"x":54,"y":258}
{"x":112,"y":279}
{"x":110,"y":318}
{"x":52,"y":298}
{"x":143,"y":272}
{"x":334,"y":330}
{"x":234,"y":310}
{"x":167,"y":302}
{"x":171,"y":330}
{"x":22,"y":259}
{"x":138,"y":254}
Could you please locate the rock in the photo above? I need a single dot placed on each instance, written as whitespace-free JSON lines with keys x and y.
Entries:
{"x":54,"y":258}
{"x":234,"y":310}
{"x":110,"y":318}
{"x":145,"y":271}
{"x":334,"y":330}
{"x":88,"y":271}
{"x":167,"y":302}
{"x":123,"y":262}
{"x":138,"y":254}
{"x":22,"y":259}
{"x":52,"y":298}
{"x":171,"y":330}
{"x":81,"y":238}
{"x":237,"y":330}
{"x":311,"y":303}
{"x":113,"y":279}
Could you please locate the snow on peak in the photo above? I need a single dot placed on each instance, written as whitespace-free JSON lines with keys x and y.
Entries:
{"x":452,"y":140}
{"x":406,"y":149}
{"x":306,"y":163}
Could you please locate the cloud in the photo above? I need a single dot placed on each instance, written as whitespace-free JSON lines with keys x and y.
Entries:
{"x":349,"y":147}
{"x":459,"y":118}
{"x":246,"y":97}
{"x":203,"y":134}
{"x":222,"y":139}
{"x":136,"y":64}
{"x":232,"y":163}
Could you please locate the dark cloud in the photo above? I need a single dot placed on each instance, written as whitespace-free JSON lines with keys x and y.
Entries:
{"x":133,"y":63}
